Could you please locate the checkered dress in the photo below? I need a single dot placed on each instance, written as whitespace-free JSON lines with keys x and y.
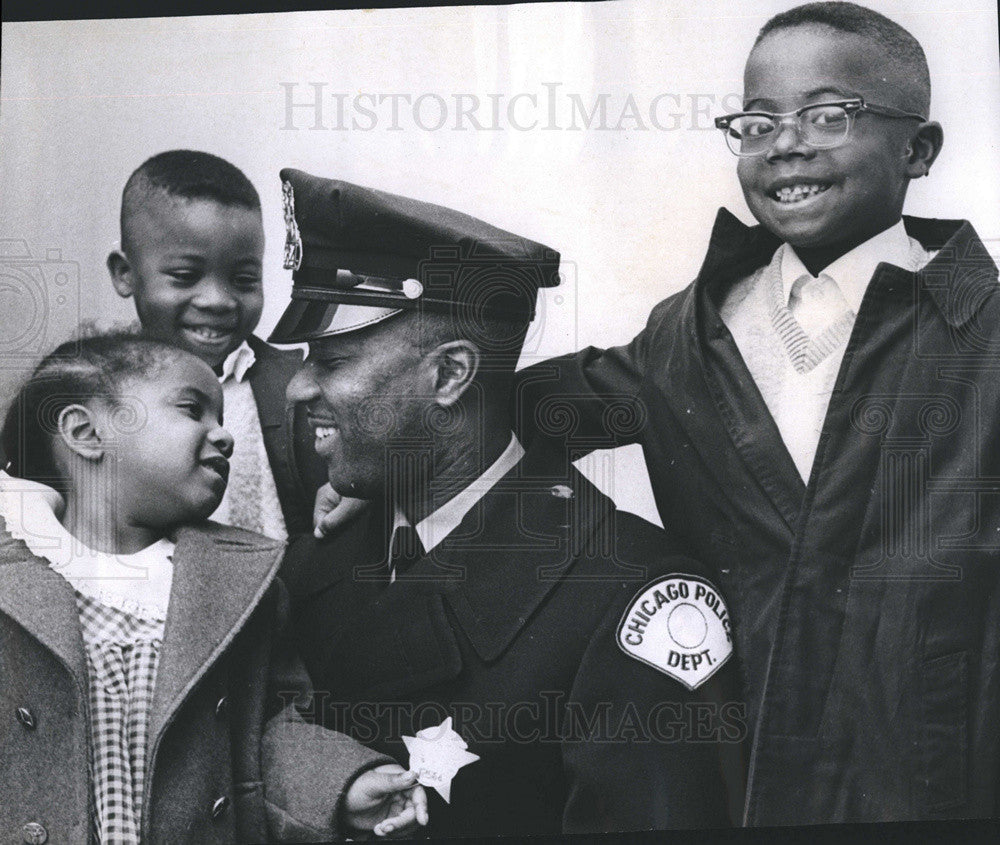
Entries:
{"x":123,"y":651}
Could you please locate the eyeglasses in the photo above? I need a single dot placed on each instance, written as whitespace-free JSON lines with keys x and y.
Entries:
{"x":821,"y":126}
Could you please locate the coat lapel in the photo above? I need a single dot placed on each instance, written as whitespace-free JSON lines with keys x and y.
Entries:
{"x":271,"y":367}
{"x":515,"y":547}
{"x":386,"y":640}
{"x":41,"y":601}
{"x":398,"y":642}
{"x":220,"y":576}
{"x":484,"y":582}
{"x":709,"y":388}
{"x":336,"y":565}
{"x":960,"y":279}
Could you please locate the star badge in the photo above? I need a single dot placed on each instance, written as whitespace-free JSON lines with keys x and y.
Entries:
{"x":436,"y":755}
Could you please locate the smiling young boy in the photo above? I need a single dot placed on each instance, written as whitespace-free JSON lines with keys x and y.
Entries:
{"x":192,"y":246}
{"x":821,"y":410}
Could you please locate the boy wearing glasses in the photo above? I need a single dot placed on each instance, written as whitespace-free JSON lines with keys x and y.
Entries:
{"x":821,"y":414}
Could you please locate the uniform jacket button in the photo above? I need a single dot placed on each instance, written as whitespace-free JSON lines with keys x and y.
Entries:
{"x":26,"y":718}
{"x":34,"y":834}
{"x":219,"y":807}
{"x":222,"y":706}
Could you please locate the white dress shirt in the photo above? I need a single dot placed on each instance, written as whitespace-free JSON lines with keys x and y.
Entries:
{"x":437,"y":525}
{"x":798,"y":400}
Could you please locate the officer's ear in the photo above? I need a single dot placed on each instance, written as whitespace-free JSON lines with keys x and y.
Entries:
{"x":121,"y":273}
{"x":457,"y":363}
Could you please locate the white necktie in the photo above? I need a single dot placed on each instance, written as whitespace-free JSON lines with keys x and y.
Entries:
{"x":816,"y":303}
{"x":816,"y":321}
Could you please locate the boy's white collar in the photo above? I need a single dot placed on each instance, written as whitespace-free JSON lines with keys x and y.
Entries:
{"x":237,"y":363}
{"x":853,"y":270}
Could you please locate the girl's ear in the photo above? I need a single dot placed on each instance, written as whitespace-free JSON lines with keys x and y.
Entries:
{"x":121,"y":273}
{"x":77,"y":429}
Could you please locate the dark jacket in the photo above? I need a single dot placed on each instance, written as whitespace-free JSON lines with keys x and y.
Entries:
{"x":866,"y":603}
{"x":298,"y":472}
{"x":509,"y":627}
{"x":229,"y":758}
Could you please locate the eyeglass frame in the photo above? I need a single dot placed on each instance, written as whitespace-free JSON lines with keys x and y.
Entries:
{"x":851,"y":106}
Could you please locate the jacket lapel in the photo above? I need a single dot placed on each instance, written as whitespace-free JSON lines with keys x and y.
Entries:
{"x":515,"y":547}
{"x":41,"y":601}
{"x":959,"y":280}
{"x":386,"y":641}
{"x":336,"y":565}
{"x":271,"y":367}
{"x":710,"y":390}
{"x":398,"y":642}
{"x":486,"y":579}
{"x":220,"y":576}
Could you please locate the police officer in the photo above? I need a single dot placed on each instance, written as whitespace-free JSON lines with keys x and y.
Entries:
{"x":546,"y":662}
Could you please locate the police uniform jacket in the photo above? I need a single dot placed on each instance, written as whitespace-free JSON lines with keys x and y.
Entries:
{"x":509,"y":627}
{"x":866,"y":603}
{"x":288,"y":440}
{"x":224,"y":763}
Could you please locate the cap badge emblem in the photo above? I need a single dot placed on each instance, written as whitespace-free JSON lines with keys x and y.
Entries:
{"x":412,"y":289}
{"x":293,"y":241}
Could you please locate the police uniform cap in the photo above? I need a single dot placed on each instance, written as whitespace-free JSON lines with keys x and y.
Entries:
{"x":360,"y":256}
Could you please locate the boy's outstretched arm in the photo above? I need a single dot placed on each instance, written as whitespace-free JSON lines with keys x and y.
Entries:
{"x":590,"y":399}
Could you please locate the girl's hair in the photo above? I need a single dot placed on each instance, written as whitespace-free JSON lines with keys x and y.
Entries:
{"x":76,"y":371}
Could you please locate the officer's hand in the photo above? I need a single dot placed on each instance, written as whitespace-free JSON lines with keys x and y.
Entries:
{"x":12,"y":484}
{"x":386,"y":800}
{"x":333,"y":510}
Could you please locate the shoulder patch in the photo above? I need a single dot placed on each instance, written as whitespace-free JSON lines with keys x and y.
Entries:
{"x":679,"y":625}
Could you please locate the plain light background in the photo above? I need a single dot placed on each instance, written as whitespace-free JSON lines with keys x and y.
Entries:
{"x":83,"y":103}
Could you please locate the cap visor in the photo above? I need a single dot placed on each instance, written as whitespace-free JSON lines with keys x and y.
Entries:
{"x":306,"y":320}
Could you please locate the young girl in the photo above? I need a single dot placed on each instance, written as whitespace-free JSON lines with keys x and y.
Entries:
{"x":145,"y":687}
